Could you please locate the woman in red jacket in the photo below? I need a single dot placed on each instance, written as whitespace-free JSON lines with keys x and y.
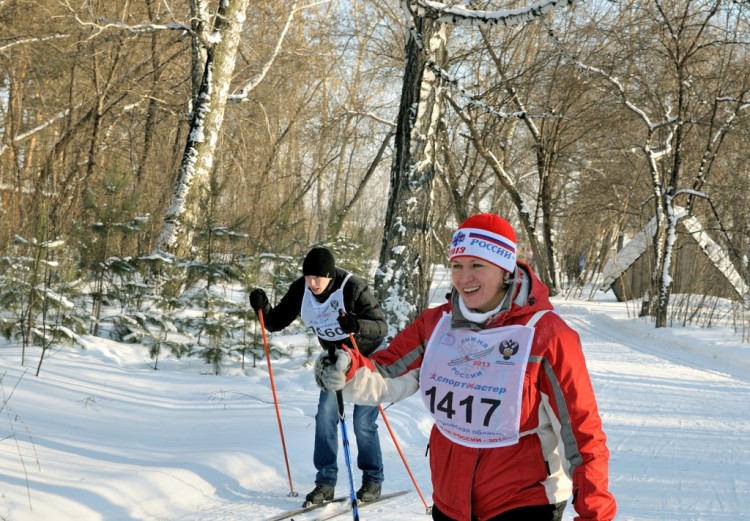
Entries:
{"x":517,"y":431}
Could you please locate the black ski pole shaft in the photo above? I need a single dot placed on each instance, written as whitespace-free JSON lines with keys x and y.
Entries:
{"x":292,"y":493}
{"x":345,"y":442}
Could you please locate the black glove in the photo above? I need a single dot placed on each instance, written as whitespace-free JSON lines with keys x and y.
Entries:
{"x":348,"y":323}
{"x":331,"y":376}
{"x":258,"y":300}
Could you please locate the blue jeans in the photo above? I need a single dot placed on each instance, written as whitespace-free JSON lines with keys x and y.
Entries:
{"x":325,"y":455}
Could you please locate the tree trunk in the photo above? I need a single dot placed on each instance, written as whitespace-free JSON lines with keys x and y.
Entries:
{"x":403,"y":278}
{"x":208,"y":116}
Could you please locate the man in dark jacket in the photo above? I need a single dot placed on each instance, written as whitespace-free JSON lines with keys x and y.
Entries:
{"x":334,"y":303}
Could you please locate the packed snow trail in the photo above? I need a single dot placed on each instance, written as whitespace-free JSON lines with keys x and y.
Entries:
{"x":676,"y":418}
{"x":678,"y":432}
{"x":105,"y":437}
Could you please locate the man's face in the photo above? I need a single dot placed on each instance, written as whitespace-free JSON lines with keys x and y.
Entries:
{"x":317,"y":284}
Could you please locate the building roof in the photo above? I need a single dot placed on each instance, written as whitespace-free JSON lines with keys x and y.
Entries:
{"x":636,"y":246}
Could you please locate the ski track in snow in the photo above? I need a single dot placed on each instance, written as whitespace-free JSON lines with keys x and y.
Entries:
{"x":105,"y":437}
{"x":680,"y":449}
{"x":678,"y":433}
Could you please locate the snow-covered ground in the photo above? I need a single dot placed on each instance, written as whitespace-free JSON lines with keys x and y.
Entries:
{"x":101,"y":435}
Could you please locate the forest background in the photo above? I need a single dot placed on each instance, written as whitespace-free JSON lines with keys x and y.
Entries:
{"x":152,"y":150}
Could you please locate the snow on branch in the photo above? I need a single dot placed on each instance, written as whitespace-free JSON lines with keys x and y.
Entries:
{"x":688,"y":191}
{"x":658,"y":153}
{"x":102,"y":24}
{"x":22,"y":41}
{"x":255,"y":80}
{"x":459,"y":15}
{"x":613,"y":81}
{"x":410,"y":18}
{"x":742,"y":105}
{"x":472,"y":101}
{"x":599,"y":72}
{"x":41,"y":126}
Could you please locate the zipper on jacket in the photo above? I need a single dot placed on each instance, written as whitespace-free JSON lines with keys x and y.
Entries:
{"x":471,"y":487}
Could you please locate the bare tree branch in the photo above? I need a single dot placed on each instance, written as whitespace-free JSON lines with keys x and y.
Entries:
{"x":102,"y":24}
{"x":255,"y":81}
{"x":30,"y":40}
{"x":474,"y":102}
{"x":459,"y":15}
{"x":25,"y":135}
{"x":370,"y":115}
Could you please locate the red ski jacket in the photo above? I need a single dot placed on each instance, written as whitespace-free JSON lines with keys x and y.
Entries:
{"x":562,"y":449}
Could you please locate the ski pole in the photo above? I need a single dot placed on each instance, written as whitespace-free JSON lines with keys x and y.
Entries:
{"x":428,"y":509}
{"x":345,"y":442}
{"x":292,"y":493}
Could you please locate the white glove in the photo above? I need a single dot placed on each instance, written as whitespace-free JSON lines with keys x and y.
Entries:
{"x":332,"y":376}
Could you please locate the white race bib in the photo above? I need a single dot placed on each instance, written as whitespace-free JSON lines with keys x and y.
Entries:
{"x":322,"y":317}
{"x":472,"y":382}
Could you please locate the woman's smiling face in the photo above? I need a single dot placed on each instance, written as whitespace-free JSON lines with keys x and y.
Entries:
{"x":480,"y":283}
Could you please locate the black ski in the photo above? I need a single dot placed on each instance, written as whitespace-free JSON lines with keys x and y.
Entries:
{"x":303,"y":510}
{"x":347,"y":510}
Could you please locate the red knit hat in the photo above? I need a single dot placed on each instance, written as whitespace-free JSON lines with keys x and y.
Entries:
{"x":488,"y":237}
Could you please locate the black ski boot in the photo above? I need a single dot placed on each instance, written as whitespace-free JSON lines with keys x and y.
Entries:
{"x":369,"y":491}
{"x":319,"y":495}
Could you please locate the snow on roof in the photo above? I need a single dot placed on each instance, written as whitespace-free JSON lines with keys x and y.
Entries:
{"x":629,"y":253}
{"x":716,"y":254}
{"x":643,"y":239}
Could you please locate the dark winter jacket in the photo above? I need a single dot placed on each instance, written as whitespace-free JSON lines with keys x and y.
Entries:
{"x":562,"y":450}
{"x":358,"y":301}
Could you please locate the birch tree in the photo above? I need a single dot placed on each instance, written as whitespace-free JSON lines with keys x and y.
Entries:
{"x":685,"y":111}
{"x":403,"y":277}
{"x":221,"y":41}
